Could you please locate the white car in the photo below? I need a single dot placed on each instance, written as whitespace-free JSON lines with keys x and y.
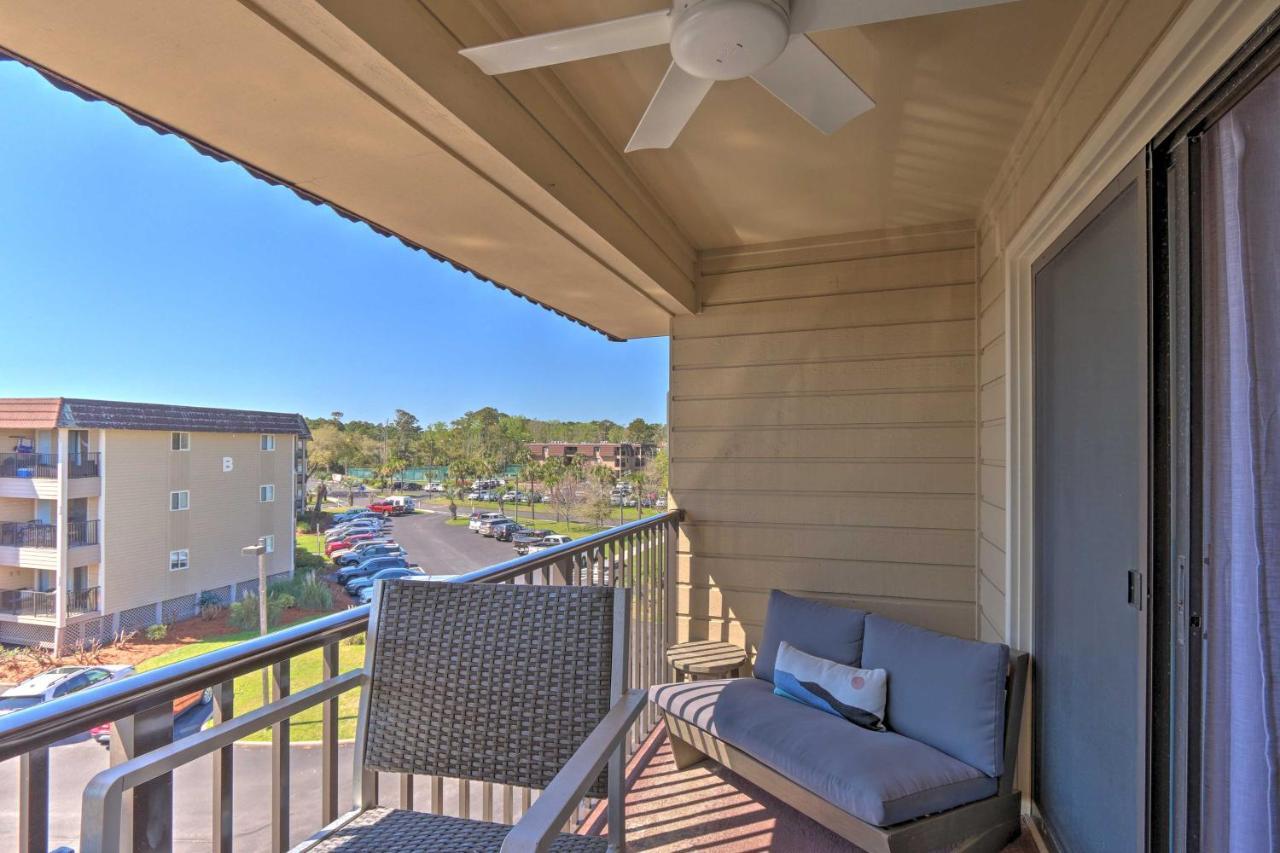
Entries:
{"x":549,"y":542}
{"x":343,"y":529}
{"x":56,"y":682}
{"x":477,"y":521}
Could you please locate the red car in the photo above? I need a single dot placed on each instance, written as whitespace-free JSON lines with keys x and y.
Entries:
{"x":347,"y":542}
{"x":392,"y":506}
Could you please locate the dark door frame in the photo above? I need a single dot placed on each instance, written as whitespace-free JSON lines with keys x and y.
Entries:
{"x":1177,"y":593}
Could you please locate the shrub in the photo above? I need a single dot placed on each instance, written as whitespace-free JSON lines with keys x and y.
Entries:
{"x":243,"y":614}
{"x":157,"y":632}
{"x":354,"y":640}
{"x":284,"y":600}
{"x":305,"y":560}
{"x":314,"y":594}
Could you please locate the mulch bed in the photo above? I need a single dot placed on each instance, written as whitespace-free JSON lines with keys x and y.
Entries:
{"x":28,"y":662}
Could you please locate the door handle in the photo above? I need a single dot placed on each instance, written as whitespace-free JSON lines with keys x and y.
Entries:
{"x":1135,"y":589}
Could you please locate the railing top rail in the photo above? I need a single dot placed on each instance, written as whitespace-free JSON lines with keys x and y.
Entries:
{"x":41,"y":725}
{"x":532,"y":562}
{"x":47,"y":723}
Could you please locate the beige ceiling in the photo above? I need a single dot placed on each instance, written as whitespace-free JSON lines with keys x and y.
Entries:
{"x":951,"y":92}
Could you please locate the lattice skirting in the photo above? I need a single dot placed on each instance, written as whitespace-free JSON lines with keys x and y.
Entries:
{"x":26,"y":634}
{"x":138,"y":619}
{"x":83,"y":634}
{"x":177,"y":609}
{"x":246,"y":588}
{"x":222,"y":595}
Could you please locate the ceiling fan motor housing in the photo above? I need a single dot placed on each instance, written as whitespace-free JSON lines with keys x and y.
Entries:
{"x":728,"y":39}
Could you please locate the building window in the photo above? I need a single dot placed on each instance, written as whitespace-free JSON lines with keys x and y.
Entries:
{"x":179,"y":500}
{"x":179,"y":560}
{"x":269,"y":543}
{"x":268,"y":442}
{"x":266,"y":494}
{"x":180,"y":441}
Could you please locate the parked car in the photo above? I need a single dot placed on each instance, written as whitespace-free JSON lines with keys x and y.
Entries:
{"x":369,"y":566}
{"x":523,"y":542}
{"x":366,"y":593}
{"x":394,"y":505}
{"x":354,"y":586}
{"x":362,"y":524}
{"x":486,"y":525}
{"x":351,"y":539}
{"x":56,"y":682}
{"x":549,"y":542}
{"x":102,"y":732}
{"x":352,"y":515}
{"x":478,"y":519}
{"x":363,"y":543}
{"x":508,"y":530}
{"x":382,"y":549}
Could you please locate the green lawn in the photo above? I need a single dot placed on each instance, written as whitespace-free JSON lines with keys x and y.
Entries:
{"x":543,"y":511}
{"x":304,"y":672}
{"x":312,"y":543}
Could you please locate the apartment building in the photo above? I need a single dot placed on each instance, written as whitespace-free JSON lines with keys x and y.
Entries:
{"x":115,"y":516}
{"x":621,"y":456}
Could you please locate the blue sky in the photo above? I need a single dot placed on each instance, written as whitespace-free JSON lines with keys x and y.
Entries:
{"x":194,"y":263}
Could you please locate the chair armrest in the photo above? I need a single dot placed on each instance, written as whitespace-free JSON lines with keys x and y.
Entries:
{"x":103,"y":796}
{"x":546,"y":817}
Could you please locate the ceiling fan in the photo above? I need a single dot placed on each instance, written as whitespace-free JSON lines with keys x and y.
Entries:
{"x":724,"y":40}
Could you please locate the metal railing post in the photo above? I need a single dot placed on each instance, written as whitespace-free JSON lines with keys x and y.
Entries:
{"x":329,"y":743}
{"x":146,"y":820}
{"x":33,"y":801}
{"x":224,"y":697}
{"x":280,"y":762}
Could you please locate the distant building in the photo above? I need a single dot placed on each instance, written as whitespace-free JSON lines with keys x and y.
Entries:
{"x":116,"y":516}
{"x":621,"y":456}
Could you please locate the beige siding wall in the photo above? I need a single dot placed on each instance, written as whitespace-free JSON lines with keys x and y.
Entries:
{"x":822,"y":434}
{"x":139,"y":530}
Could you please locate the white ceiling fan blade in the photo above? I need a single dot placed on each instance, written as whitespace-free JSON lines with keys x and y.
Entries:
{"x":645,"y":30}
{"x":804,"y":79}
{"x":670,"y":110}
{"x":811,"y":16}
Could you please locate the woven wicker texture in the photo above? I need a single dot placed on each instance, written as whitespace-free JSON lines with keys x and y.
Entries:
{"x":500,"y":683}
{"x":395,"y":831}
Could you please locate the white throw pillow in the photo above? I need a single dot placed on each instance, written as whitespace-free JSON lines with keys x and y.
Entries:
{"x":858,"y":695}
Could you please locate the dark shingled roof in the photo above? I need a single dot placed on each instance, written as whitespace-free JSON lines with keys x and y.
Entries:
{"x":108,"y":414}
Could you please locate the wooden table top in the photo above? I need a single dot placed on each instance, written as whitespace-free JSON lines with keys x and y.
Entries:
{"x":706,"y":657}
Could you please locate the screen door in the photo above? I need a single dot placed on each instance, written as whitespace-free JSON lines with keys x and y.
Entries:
{"x":1090,"y":305}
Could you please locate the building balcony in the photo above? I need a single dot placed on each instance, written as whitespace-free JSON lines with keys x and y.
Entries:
{"x":35,"y":534}
{"x":37,"y":604}
{"x":35,"y":475}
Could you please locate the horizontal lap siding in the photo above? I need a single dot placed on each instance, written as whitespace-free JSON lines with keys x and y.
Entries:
{"x":823,"y":439}
{"x":992,"y":438}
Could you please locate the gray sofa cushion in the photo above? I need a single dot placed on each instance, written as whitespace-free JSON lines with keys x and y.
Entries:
{"x":880,"y":777}
{"x":944,"y":691}
{"x":691,"y":701}
{"x":821,"y":629}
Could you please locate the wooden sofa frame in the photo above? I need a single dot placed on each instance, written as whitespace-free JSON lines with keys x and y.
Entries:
{"x":985,"y":826}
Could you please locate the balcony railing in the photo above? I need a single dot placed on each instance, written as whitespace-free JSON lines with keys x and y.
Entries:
{"x":80,"y":533}
{"x":28,"y":534}
{"x":81,"y":465}
{"x":638,"y":556}
{"x":31,"y":602}
{"x":44,"y":466}
{"x":29,"y":465}
{"x":80,"y":601}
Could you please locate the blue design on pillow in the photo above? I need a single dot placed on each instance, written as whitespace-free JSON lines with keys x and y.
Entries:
{"x":857,"y":695}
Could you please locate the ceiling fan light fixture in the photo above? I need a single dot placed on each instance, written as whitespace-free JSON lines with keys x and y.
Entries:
{"x":728,"y":39}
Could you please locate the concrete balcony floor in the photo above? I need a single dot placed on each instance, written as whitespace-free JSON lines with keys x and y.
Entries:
{"x":709,"y":808}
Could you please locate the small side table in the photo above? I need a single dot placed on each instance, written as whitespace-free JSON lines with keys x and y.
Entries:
{"x":700,"y":659}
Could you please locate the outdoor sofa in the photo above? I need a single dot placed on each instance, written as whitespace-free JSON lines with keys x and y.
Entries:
{"x":939,"y":778}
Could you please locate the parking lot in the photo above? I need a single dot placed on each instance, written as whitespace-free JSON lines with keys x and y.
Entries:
{"x":442,"y":549}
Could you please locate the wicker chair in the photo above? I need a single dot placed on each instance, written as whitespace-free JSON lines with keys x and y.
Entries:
{"x":518,"y":685}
